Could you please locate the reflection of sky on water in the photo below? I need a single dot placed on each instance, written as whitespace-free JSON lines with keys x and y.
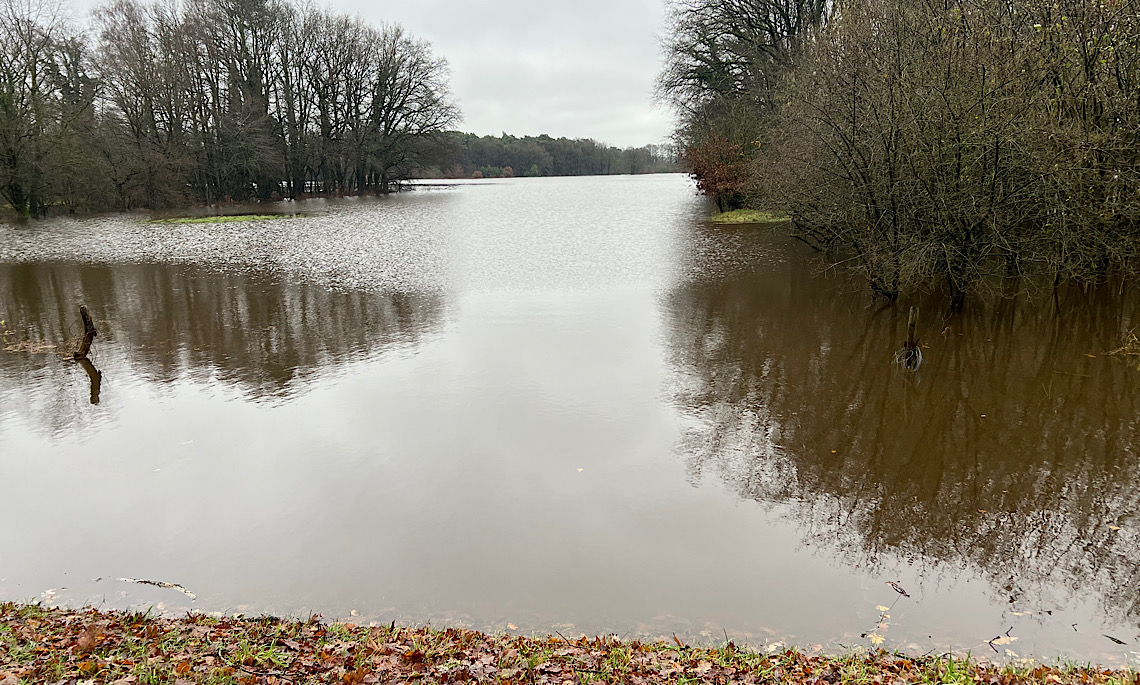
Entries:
{"x":533,"y":409}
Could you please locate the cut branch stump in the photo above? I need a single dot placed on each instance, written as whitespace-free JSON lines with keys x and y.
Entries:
{"x":89,"y":333}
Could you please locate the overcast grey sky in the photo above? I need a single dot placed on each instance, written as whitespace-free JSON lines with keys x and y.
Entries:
{"x":575,"y":68}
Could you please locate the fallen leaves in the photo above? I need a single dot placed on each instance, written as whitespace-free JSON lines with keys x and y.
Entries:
{"x":88,"y":639}
{"x":128,"y":649}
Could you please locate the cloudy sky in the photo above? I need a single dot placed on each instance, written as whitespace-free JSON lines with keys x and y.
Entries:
{"x":576,"y":68}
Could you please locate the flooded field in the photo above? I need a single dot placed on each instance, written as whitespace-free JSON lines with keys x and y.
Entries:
{"x":560,"y":404}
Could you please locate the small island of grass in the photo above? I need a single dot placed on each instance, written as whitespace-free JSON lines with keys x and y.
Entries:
{"x":220,"y":219}
{"x":749,"y":216}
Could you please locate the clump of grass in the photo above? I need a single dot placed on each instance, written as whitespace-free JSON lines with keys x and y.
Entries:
{"x":750,"y":216}
{"x":63,"y":350}
{"x":221,"y":219}
{"x":39,"y":644}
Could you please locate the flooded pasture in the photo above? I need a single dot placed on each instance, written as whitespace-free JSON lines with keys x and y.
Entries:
{"x":561,"y":404}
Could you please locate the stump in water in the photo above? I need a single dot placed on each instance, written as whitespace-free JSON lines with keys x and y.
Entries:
{"x":910,"y":356}
{"x":89,"y":333}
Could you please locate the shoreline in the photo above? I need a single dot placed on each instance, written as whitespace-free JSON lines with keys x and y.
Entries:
{"x":750,"y":216}
{"x":40,"y":644}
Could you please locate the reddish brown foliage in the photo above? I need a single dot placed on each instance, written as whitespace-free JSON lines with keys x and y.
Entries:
{"x":720,"y":169}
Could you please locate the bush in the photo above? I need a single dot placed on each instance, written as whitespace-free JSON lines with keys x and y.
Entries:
{"x":946,"y":143}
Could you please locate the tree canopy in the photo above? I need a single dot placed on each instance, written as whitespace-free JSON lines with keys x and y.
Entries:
{"x":211,"y":100}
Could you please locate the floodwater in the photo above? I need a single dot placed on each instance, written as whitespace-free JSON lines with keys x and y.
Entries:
{"x":561,"y":404}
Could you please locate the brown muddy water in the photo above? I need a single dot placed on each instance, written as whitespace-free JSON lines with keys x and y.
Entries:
{"x":561,"y":404}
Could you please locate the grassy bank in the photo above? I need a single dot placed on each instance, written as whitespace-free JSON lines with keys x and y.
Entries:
{"x":40,"y":645}
{"x":220,"y":219}
{"x":749,"y":216}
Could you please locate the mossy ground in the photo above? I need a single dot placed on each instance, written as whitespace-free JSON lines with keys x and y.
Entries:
{"x":223,"y":219}
{"x":42,"y":645}
{"x":749,"y":216}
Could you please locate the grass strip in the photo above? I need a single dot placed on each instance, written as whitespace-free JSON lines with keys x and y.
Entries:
{"x":750,"y":216}
{"x":220,"y":219}
{"x":43,"y":645}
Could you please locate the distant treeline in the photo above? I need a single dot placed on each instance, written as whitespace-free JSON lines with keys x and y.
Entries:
{"x":492,"y":157}
{"x":167,"y":104}
{"x":925,"y":143}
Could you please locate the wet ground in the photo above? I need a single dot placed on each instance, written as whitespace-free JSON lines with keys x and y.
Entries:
{"x":561,"y":404}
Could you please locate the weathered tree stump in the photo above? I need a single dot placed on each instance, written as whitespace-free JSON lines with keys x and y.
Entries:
{"x":89,"y":333}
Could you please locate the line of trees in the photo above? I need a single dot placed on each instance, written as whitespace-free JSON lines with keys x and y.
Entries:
{"x":210,"y":101}
{"x":929,"y":143}
{"x":506,"y":155}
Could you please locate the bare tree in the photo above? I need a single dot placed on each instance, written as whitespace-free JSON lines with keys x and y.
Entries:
{"x":211,"y":100}
{"x":723,"y":62}
{"x":31,"y":101}
{"x":962,"y":143}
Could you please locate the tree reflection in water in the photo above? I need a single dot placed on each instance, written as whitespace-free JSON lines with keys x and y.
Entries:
{"x":162,"y":323}
{"x":1013,"y":451}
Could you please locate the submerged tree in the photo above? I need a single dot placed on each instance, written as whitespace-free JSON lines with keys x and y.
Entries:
{"x":958,"y":142}
{"x":951,"y":144}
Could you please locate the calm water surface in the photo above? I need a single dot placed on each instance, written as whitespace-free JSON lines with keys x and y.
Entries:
{"x":560,"y":404}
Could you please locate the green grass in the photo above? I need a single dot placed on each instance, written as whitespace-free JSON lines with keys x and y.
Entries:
{"x":222,"y":219}
{"x":749,"y":216}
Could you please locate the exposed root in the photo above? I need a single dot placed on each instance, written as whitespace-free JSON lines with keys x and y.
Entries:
{"x":1130,"y":349}
{"x":909,"y":358}
{"x":1131,"y":346}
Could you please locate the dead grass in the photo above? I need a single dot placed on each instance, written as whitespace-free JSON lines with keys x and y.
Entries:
{"x":31,"y":347}
{"x":63,"y":350}
{"x":749,"y":216}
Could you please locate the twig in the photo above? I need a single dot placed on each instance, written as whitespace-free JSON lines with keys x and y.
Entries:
{"x":159,"y":583}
